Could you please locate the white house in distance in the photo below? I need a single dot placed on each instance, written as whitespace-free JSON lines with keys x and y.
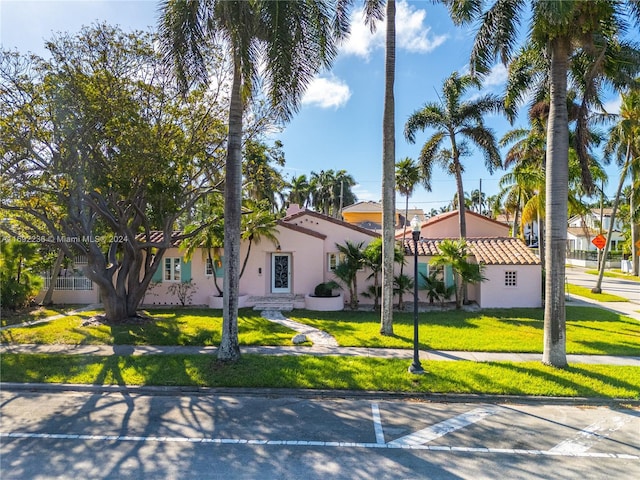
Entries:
{"x":583,"y":229}
{"x":305,"y":255}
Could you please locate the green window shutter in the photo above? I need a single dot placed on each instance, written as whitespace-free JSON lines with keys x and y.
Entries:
{"x":185,"y":270}
{"x":219,"y":266}
{"x":448,"y":276}
{"x":157,"y":277}
{"x":423,"y":269}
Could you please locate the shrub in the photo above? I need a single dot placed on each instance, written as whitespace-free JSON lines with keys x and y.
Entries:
{"x":325,"y":289}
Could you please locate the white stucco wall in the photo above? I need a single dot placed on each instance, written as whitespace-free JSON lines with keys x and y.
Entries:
{"x":527,"y":293}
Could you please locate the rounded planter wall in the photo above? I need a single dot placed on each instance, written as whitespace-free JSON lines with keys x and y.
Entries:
{"x":324,"y":304}
{"x":216,"y":302}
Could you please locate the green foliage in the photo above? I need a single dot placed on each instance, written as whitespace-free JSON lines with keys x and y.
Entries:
{"x":436,"y":288}
{"x":347,"y":270}
{"x":19,"y":284}
{"x":325,"y":289}
{"x":454,"y":253}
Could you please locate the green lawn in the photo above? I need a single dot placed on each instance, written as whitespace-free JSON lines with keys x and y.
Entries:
{"x":339,"y":373}
{"x":170,"y":327}
{"x":590,"y":330}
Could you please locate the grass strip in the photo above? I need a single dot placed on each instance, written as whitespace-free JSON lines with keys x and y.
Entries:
{"x":337,"y":373}
{"x":615,"y":274}
{"x":600,"y":297}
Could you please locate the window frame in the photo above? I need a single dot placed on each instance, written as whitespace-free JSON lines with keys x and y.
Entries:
{"x":172,"y":263}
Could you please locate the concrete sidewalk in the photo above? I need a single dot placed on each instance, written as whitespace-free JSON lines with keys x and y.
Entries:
{"x":122,"y":350}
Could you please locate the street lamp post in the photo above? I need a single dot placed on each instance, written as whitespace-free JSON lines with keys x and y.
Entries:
{"x":415,"y":367}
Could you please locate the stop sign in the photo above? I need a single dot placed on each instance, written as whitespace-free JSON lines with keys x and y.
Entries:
{"x":600,"y":241}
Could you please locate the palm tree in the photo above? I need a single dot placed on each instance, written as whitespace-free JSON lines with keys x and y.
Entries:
{"x":373,"y":259}
{"x":375,"y":11}
{"x":458,"y":121}
{"x":257,"y":224}
{"x":408,"y":176}
{"x":299,"y":191}
{"x":291,"y":41}
{"x":454,"y":253}
{"x":322,"y":190}
{"x":559,"y":30}
{"x":347,"y":270}
{"x":624,"y":136}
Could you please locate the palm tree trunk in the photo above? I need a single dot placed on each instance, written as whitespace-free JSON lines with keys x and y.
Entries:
{"x":229,"y":350}
{"x":623,"y":175}
{"x":388,"y":174}
{"x":557,"y":178}
{"x":462,"y":220}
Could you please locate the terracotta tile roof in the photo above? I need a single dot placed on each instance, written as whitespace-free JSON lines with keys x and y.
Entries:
{"x":157,"y":236}
{"x":487,"y":251}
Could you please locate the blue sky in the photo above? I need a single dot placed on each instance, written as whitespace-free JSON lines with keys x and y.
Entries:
{"x":339,"y":125}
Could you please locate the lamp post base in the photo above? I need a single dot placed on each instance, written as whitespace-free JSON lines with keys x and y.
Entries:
{"x":416,"y":369}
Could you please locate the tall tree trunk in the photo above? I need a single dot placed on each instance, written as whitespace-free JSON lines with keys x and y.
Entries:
{"x":229,"y":350}
{"x":616,"y":202}
{"x":57,"y":266}
{"x":557,"y":185}
{"x":635,"y":227}
{"x":388,"y":174}
{"x":462,"y":208}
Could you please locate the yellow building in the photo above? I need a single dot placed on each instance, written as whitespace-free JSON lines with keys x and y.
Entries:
{"x":369,"y":215}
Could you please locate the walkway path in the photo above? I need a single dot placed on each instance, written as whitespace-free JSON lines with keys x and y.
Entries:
{"x":319,"y":338}
{"x":108,"y":350}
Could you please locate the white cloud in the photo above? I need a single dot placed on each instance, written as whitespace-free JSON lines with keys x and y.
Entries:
{"x":327,"y":92}
{"x":411,"y":33}
{"x":613,"y":105}
{"x":497,"y":76}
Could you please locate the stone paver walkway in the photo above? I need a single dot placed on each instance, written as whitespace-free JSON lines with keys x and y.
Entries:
{"x":318,"y":337}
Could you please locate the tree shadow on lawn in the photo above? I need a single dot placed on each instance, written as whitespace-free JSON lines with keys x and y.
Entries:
{"x":551,"y":374}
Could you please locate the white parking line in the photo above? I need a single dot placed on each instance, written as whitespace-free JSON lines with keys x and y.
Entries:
{"x":303,"y":443}
{"x":587,"y":438}
{"x":440,"y":429}
{"x":377,"y":423}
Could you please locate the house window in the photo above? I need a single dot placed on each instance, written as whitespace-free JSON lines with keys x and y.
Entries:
{"x":208,"y":269}
{"x":333,"y":260}
{"x":211,"y":266}
{"x":510,"y":278}
{"x":171,"y":269}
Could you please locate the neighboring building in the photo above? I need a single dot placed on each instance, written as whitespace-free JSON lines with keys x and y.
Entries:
{"x":583,"y":229}
{"x":446,"y":225}
{"x":513,"y":273}
{"x":369,"y":215}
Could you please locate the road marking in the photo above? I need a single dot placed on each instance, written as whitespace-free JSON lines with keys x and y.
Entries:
{"x":303,"y":443}
{"x":377,"y":423}
{"x":594,"y":433}
{"x":440,"y":429}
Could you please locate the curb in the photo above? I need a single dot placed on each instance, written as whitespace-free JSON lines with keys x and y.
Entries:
{"x":315,"y":394}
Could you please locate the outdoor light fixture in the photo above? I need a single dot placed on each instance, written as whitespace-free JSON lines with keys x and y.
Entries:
{"x":415,"y":367}
{"x":278,"y":248}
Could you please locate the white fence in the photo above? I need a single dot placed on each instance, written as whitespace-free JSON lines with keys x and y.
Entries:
{"x":69,"y":283}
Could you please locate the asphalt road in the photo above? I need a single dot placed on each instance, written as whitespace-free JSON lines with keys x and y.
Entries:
{"x":97,"y":435}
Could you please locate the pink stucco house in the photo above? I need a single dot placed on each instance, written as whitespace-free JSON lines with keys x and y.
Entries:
{"x":284,"y":273}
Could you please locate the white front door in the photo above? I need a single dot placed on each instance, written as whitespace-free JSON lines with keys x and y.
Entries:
{"x":281,"y":273}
